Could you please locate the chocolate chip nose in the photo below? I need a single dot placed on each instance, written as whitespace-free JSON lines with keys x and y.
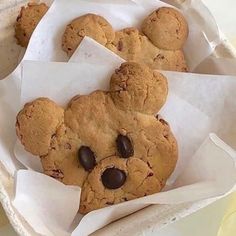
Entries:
{"x":113,"y":178}
{"x":86,"y":158}
{"x":124,"y":146}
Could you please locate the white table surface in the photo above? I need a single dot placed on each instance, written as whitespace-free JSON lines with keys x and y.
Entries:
{"x":224,"y":13}
{"x":206,"y":221}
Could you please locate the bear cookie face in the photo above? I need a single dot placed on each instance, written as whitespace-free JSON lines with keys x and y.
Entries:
{"x":110,"y":143}
{"x":158,"y":44}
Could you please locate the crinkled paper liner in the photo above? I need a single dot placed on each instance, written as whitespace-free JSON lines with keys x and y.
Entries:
{"x":9,"y":54}
{"x":166,"y":214}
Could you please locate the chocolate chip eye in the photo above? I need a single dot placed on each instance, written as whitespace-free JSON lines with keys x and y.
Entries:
{"x":124,"y":146}
{"x":113,"y":178}
{"x":86,"y":158}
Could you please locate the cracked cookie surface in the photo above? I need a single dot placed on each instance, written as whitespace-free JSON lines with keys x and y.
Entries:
{"x":27,"y":21}
{"x":108,"y":142}
{"x":132,"y":45}
{"x":140,"y":182}
{"x":91,"y":25}
{"x":166,"y":28}
{"x":158,"y":45}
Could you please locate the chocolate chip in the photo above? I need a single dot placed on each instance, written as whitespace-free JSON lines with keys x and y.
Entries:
{"x":124,"y":146}
{"x":150,"y":174}
{"x":120,"y":46}
{"x":67,"y":146}
{"x":57,"y":174}
{"x":159,"y":57}
{"x":164,"y":122}
{"x":109,"y":203}
{"x":149,"y":165}
{"x":86,"y":158}
{"x":154,"y":19}
{"x":113,"y":178}
{"x":18,"y":18}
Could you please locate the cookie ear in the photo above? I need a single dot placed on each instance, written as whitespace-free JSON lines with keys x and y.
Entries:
{"x":136,"y":87}
{"x":36,"y":123}
{"x":91,"y":25}
{"x":166,"y":28}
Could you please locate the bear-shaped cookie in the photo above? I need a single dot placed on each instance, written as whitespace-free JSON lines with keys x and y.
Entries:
{"x":159,"y":43}
{"x":110,"y":143}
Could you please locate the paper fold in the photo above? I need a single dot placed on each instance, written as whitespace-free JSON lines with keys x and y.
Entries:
{"x":48,"y":205}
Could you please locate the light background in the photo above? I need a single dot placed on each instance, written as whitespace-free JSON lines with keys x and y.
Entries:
{"x":207,"y":221}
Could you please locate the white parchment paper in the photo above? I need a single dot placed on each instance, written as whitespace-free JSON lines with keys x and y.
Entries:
{"x":47,"y":204}
{"x":196,"y":106}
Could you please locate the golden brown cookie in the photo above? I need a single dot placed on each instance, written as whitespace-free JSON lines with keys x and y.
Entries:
{"x":127,"y":44}
{"x":27,"y":21}
{"x":160,"y":59}
{"x":108,"y":142}
{"x":166,"y":28}
{"x":131,"y":45}
{"x":140,"y":181}
{"x":45,"y":116}
{"x":146,"y":92}
{"x":90,"y":25}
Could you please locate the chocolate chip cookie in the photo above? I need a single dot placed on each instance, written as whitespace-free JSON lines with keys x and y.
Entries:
{"x":91,"y":25}
{"x":27,"y":21}
{"x":159,"y":45}
{"x":110,"y":143}
{"x":132,"y":45}
{"x":166,"y":28}
{"x":161,"y":59}
{"x":127,"y":44}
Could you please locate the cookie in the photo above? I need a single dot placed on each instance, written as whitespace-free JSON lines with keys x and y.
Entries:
{"x":91,"y":25}
{"x":139,"y":180}
{"x":160,"y":59}
{"x":166,"y":28}
{"x":131,"y":45}
{"x":127,"y":44}
{"x":145,"y":93}
{"x":27,"y":21}
{"x":45,"y":116}
{"x":169,"y":60}
{"x":108,"y":142}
